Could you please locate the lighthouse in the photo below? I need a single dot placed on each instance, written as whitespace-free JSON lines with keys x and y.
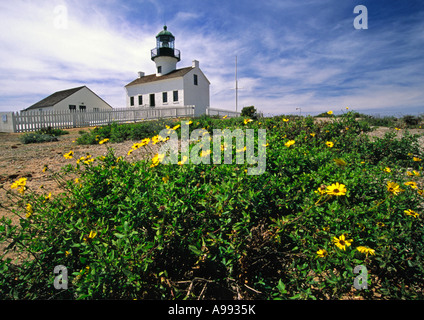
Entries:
{"x":165,"y":55}
{"x":169,"y":87}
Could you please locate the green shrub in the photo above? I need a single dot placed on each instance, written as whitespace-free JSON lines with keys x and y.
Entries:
{"x":53,"y":132}
{"x":128,"y":230}
{"x":36,"y":137}
{"x":43,"y":135}
{"x":411,"y":121}
{"x":249,"y":112}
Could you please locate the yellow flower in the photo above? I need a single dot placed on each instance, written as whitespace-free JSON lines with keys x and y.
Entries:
{"x":130,"y":151}
{"x":184,"y":160}
{"x":246,"y":121}
{"x":67,"y":253}
{"x":157,"y":159}
{"x":189,"y":122}
{"x":165,"y":179}
{"x":416,"y":159}
{"x":313,"y":134}
{"x":393,"y":187}
{"x":45,"y":168}
{"x":241,"y":150}
{"x":387,"y":169}
{"x":205,"y":153}
{"x":176,"y":127}
{"x":416,"y":173}
{"x":89,"y":160}
{"x":69,"y":155}
{"x":412,"y":213}
{"x":397,"y":129}
{"x":19,"y":183}
{"x":322,"y":253}
{"x":412,"y":184}
{"x":336,"y":189}
{"x":289,"y":143}
{"x":103,"y":141}
{"x":29,"y":210}
{"x":330,"y":112}
{"x":409,"y":173}
{"x":320,"y":190}
{"x":91,"y":236}
{"x":225,"y":117}
{"x":285,"y":120}
{"x":329,"y":144}
{"x":347,"y":108}
{"x":341,"y":242}
{"x":366,"y":250}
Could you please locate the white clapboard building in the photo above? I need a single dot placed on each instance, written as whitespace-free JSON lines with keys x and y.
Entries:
{"x":76,"y":99}
{"x":169,"y":87}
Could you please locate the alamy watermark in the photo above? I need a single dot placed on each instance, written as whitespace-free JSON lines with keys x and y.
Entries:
{"x":361,"y":281}
{"x":361,"y":20}
{"x":222,"y":141}
{"x":60,"y":20}
{"x":61,"y":280}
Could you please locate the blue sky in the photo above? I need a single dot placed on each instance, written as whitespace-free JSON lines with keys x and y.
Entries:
{"x":291,"y":53}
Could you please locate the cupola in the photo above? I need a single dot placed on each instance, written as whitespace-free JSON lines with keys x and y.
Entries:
{"x":165,"y":55}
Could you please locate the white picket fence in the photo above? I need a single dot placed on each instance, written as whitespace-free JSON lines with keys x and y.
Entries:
{"x":27,"y":121}
{"x":36,"y":120}
{"x":221,"y":112}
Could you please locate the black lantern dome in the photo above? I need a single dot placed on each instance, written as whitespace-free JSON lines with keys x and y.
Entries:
{"x":165,"y":45}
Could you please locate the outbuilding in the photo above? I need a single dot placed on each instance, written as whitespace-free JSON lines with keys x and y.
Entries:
{"x":76,"y":99}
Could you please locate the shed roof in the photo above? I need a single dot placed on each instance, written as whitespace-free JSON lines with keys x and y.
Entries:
{"x":153,"y":77}
{"x":54,"y":98}
{"x":58,"y":96}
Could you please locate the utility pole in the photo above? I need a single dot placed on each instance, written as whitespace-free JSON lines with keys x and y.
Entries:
{"x":236,"y":87}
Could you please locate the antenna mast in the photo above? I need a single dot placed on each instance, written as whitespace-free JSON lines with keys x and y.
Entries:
{"x":236,"y":87}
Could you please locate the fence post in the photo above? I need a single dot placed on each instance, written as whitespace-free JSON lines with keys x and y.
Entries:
{"x":15,"y":129}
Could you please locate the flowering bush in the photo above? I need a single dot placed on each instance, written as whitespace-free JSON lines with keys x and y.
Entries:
{"x":142,"y":229}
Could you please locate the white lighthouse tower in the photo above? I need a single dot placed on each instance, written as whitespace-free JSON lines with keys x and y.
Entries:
{"x":165,"y":55}
{"x":169,"y":87}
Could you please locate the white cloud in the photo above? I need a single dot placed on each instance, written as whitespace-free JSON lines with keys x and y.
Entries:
{"x":299,"y":57}
{"x":43,"y":58}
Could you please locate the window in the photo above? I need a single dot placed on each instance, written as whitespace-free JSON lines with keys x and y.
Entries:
{"x":160,"y":69}
{"x":152,"y":99}
{"x":175,"y":96}
{"x":140,"y":100}
{"x":82,"y":108}
{"x":131,"y":101}
{"x":164,"y":97}
{"x":72,"y":107}
{"x":195,"y":79}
